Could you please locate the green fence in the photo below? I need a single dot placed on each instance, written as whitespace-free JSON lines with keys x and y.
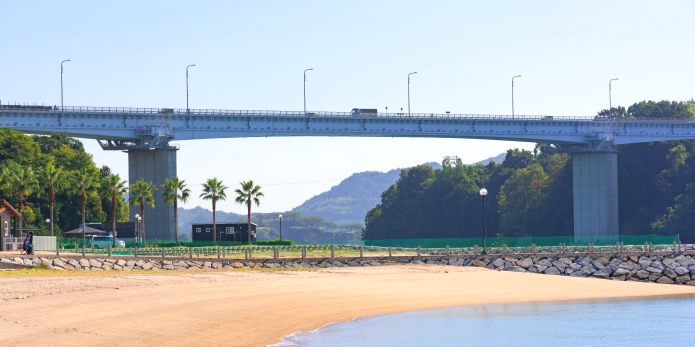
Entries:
{"x":525,"y":241}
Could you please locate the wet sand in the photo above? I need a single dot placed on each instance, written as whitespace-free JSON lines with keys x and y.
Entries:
{"x":257,"y":308}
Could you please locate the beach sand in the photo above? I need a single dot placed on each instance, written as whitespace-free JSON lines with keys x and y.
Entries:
{"x":257,"y":308}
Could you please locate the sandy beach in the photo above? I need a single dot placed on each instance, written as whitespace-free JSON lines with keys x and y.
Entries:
{"x":257,"y":308}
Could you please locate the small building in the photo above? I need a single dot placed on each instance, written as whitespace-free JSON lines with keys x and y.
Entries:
{"x":225,"y":232}
{"x":7,"y":213}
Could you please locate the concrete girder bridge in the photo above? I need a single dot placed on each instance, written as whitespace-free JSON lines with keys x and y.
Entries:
{"x":145,"y":134}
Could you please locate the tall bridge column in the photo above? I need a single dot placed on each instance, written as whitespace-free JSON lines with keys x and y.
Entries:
{"x":595,"y":186}
{"x":155,"y":166}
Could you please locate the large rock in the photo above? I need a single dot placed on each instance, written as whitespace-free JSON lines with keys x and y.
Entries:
{"x":583,"y":260}
{"x":664,"y":280}
{"x":544,"y":262}
{"x":621,"y":272}
{"x":597,"y":264}
{"x":537,"y":268}
{"x":602,"y":273}
{"x":478,"y":263}
{"x":644,"y":262}
{"x":84,"y":262}
{"x":147,"y":266}
{"x":670,"y":273}
{"x":524,"y":263}
{"x":653,"y":269}
{"x":59,"y":263}
{"x":642,"y":274}
{"x":682,"y":279}
{"x":497,"y":262}
{"x":685,"y":261}
{"x":565,"y":260}
{"x":552,"y":271}
{"x":681,"y":270}
{"x":560,"y":266}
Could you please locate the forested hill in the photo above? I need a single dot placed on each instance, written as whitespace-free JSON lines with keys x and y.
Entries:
{"x":530,"y":193}
{"x":349,"y":201}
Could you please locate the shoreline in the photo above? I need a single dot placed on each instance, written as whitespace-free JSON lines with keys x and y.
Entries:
{"x":260,"y":308}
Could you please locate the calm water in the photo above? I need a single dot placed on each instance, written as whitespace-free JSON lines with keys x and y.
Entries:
{"x":656,"y":322}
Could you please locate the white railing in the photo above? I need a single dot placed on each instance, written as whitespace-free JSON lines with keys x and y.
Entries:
{"x":275,"y":113}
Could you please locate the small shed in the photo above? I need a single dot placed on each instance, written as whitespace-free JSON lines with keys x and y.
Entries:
{"x":7,"y":212}
{"x":225,"y":232}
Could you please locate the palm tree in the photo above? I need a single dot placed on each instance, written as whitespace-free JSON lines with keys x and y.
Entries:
{"x":140,"y":193}
{"x":21,"y":180}
{"x":214,"y":190}
{"x":85,"y":181}
{"x":246,"y":195}
{"x":174,"y":190}
{"x":53,"y":178}
{"x":116,"y":187}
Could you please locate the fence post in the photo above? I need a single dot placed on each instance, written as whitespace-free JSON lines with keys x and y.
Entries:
{"x":504,"y":248}
{"x":447,"y":250}
{"x":332,"y":251}
{"x":361,"y":250}
{"x":418,"y":251}
{"x":151,"y":251}
{"x":275,"y":252}
{"x":190,"y":252}
{"x":162,"y":248}
{"x":303,"y":252}
{"x":109,"y":249}
{"x":389,"y":252}
{"x":136,"y":251}
{"x":680,"y":245}
{"x":475,"y":249}
{"x":533,"y":248}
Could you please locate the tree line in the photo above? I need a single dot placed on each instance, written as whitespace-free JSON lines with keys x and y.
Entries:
{"x":530,"y":192}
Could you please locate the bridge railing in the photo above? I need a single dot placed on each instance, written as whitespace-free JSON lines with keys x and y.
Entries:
{"x":259,"y":113}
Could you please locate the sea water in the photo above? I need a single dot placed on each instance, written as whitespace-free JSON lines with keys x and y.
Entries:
{"x":652,"y":322}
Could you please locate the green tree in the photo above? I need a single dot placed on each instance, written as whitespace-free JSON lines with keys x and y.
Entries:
{"x":86,"y":182}
{"x":520,"y":200}
{"x":174,"y":190}
{"x":214,"y":190}
{"x":53,"y":178}
{"x":116,"y":187}
{"x":249,"y":193}
{"x":140,"y":193}
{"x":22,"y":181}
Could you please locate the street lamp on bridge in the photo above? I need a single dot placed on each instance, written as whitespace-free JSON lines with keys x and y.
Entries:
{"x":610,"y":102}
{"x":304,"y":98}
{"x":513,"y":93}
{"x":187,"y":109}
{"x":483,"y":193}
{"x":412,"y":73}
{"x":61,"y":82}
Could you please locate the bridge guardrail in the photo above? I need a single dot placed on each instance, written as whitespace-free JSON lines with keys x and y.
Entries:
{"x":398,"y":115}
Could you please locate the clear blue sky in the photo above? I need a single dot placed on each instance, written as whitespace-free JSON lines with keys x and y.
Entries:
{"x":251,"y":55}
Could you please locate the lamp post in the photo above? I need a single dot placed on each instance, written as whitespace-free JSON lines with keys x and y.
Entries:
{"x":187,"y":109}
{"x":280,"y":227}
{"x":483,"y":193}
{"x":304,"y":95}
{"x":610,"y":102}
{"x":513,"y":93}
{"x":61,"y":83}
{"x":412,"y":73}
{"x":138,"y":231}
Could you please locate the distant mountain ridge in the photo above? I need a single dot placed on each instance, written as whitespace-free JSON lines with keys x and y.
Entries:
{"x":349,"y":201}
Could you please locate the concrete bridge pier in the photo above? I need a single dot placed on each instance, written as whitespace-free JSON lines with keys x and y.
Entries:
{"x":155,"y":166}
{"x":595,"y":187}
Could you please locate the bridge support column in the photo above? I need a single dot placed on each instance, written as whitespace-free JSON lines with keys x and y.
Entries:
{"x":595,"y":180}
{"x":155,"y":166}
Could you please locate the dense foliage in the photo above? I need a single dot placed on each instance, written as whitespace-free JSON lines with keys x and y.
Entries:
{"x":530,"y":192}
{"x":54,"y":160}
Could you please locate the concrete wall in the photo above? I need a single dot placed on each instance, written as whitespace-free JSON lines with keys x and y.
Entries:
{"x":154,"y":166}
{"x":595,"y":188}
